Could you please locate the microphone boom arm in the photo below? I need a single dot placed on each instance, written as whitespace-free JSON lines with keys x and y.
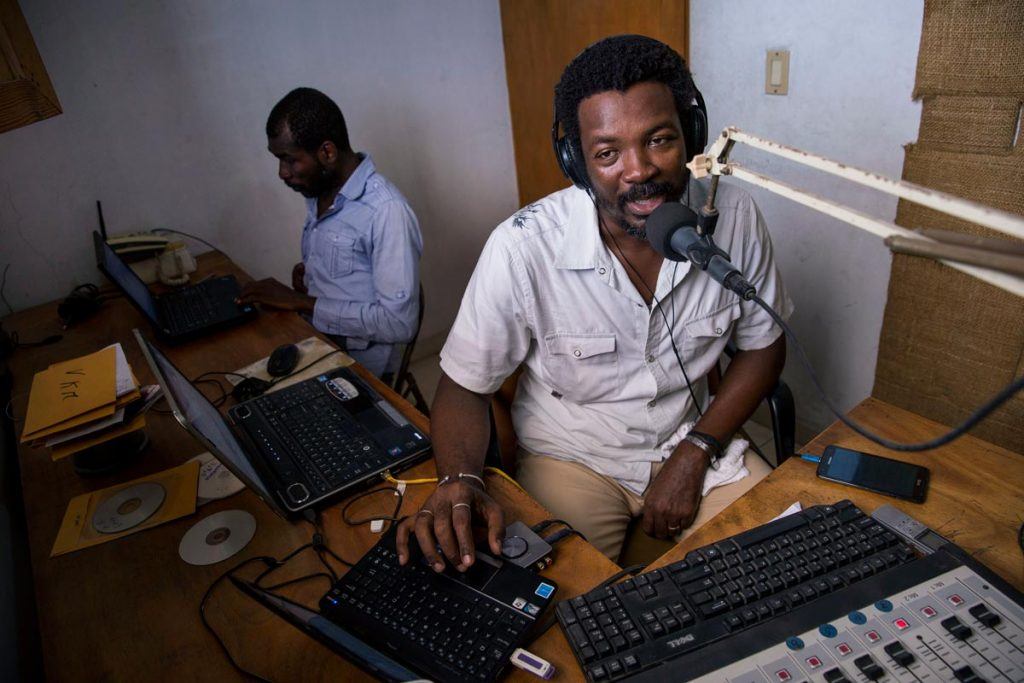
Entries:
{"x":715,"y":163}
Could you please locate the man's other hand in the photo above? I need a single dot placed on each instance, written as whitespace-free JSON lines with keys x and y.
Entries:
{"x":299,"y":278}
{"x":445,"y":520}
{"x":672,"y":501}
{"x":270,"y":292}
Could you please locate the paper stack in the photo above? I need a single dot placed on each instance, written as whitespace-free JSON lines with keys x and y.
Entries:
{"x":79,"y":403}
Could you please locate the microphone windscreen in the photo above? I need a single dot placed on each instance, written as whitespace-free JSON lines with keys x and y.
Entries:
{"x":664,"y":221}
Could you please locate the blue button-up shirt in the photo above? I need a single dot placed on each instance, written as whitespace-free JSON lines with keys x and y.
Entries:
{"x":362,"y":262}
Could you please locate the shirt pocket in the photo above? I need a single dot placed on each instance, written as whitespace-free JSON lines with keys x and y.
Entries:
{"x":708,"y":334}
{"x":582,"y":367}
{"x":341,"y":254}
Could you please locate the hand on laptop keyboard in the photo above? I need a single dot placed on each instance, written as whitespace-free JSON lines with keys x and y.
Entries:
{"x":446,"y":521}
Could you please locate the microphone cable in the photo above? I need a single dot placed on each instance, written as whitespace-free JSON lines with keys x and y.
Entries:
{"x":657,"y":303}
{"x":958,"y":431}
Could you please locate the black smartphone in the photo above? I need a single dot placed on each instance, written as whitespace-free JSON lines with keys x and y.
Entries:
{"x":874,"y":473}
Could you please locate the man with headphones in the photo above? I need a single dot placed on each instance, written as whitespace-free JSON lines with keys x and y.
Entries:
{"x":612,"y":411}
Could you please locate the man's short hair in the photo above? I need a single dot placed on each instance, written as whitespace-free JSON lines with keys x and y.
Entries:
{"x":312,"y":117}
{"x":619,"y":63}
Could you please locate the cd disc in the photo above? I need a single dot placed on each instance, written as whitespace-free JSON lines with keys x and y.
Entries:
{"x":128,"y":507}
{"x":215,"y":480}
{"x":217,"y":537}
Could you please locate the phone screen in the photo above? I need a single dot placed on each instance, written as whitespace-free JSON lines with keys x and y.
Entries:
{"x":875,"y":473}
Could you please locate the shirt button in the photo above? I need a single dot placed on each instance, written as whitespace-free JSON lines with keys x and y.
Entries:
{"x":650,"y":358}
{"x":602,"y":271}
{"x":577,"y":353}
{"x":718,"y":330}
{"x":653,"y":402}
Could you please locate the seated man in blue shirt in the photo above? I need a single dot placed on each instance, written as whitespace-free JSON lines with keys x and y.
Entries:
{"x":361,"y":243}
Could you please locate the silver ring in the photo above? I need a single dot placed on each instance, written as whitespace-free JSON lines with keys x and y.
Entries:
{"x":463,"y":505}
{"x":426,"y":511}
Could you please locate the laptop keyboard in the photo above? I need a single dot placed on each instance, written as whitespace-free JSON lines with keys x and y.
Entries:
{"x":329,"y":447}
{"x":430,"y":617}
{"x":191,"y":308}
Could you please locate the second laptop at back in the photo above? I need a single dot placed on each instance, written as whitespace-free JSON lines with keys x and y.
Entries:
{"x":182,"y":313}
{"x":299,"y":446}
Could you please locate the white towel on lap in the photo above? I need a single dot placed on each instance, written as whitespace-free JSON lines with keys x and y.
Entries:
{"x":730,"y":465}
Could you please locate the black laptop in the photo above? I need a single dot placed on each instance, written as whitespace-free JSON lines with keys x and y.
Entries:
{"x":183,"y":313}
{"x":302,"y":445}
{"x":451,"y":626}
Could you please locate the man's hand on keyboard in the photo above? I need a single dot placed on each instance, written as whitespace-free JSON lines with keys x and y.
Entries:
{"x":671,"y":502}
{"x":270,"y":292}
{"x":445,"y":522}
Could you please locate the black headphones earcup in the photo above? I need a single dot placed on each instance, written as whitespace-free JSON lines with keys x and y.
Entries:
{"x":570,"y":165}
{"x":698,"y":126}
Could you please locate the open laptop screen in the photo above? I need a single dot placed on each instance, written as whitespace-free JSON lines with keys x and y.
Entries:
{"x":201,"y":417}
{"x":125,"y":278}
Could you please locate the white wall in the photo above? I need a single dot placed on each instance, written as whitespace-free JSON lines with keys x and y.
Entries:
{"x":164,"y":111}
{"x":851,"y":74}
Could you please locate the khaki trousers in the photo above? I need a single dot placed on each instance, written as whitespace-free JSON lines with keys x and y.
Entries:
{"x":601,"y":508}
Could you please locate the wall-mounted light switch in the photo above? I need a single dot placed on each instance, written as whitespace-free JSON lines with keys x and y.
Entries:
{"x":776,"y":72}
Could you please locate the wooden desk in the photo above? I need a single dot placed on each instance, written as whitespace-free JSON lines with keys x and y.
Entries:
{"x":128,"y":609}
{"x":975,"y":498}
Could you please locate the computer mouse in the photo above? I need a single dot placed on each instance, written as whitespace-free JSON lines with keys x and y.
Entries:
{"x":283,"y":360}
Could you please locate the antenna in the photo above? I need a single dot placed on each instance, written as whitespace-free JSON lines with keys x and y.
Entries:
{"x":103,"y":224}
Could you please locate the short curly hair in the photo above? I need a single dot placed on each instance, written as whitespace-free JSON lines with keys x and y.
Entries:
{"x":619,"y":63}
{"x":312,"y":117}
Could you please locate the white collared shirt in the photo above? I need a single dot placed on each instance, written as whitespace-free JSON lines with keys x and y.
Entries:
{"x":601,"y":384}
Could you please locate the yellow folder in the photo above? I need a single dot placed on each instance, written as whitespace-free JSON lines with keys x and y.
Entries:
{"x":70,"y":391}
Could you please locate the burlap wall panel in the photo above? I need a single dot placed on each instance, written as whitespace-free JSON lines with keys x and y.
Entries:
{"x":950,"y":341}
{"x":971,"y":47}
{"x":973,"y":123}
{"x":993,"y":180}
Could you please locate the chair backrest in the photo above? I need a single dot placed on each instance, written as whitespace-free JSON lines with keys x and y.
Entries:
{"x":402,"y":375}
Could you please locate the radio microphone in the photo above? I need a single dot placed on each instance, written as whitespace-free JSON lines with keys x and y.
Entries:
{"x":672,"y":231}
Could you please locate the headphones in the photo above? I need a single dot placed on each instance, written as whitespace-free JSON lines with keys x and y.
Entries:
{"x":695,"y":136}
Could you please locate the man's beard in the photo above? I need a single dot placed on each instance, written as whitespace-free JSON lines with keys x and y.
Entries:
{"x":319,"y":184}
{"x":635,"y":193}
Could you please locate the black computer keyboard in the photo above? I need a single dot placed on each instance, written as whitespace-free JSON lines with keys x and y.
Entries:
{"x":329,"y":447}
{"x":725,"y":588}
{"x":435,"y":621}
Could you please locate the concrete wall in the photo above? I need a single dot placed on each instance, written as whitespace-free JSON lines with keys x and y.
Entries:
{"x":164,"y":108}
{"x":851,"y":75}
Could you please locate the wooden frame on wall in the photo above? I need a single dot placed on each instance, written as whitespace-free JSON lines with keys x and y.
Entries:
{"x":26,"y":93}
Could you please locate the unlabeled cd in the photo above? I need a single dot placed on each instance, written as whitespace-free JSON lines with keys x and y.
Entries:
{"x":215,"y":480}
{"x":217,"y":537}
{"x":128,"y":507}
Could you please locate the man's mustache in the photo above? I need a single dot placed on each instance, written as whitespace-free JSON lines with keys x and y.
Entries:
{"x":645,"y":191}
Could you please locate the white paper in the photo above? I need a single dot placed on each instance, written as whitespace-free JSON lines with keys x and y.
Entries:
{"x":125,"y":383}
{"x":795,"y":507}
{"x":116,"y":418}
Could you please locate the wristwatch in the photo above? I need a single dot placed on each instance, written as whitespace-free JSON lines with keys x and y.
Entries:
{"x":708,"y":444}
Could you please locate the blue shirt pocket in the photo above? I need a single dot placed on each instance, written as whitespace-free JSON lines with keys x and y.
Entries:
{"x":342,"y":254}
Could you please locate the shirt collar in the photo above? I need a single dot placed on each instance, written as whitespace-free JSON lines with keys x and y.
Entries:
{"x":356,"y":183}
{"x":581,"y":242}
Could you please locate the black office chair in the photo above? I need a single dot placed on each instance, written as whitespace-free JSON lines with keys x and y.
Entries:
{"x":404,"y":382}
